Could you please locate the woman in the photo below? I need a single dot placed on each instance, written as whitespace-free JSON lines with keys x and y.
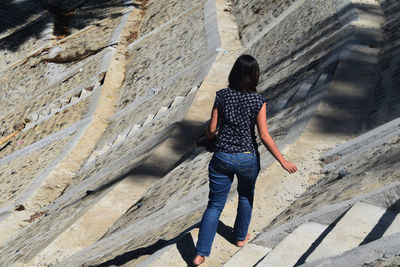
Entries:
{"x":238,"y":108}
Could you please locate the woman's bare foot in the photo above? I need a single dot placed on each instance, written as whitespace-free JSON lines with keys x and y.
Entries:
{"x":198,"y":260}
{"x":241,"y":243}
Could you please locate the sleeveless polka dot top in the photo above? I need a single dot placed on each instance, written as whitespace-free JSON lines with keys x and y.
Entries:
{"x":237,"y":112}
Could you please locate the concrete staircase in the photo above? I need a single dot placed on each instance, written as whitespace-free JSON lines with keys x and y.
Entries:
{"x":349,"y":232}
{"x":311,"y":241}
{"x":297,"y":243}
{"x":58,"y":105}
{"x":133,"y":130}
{"x":298,"y":93}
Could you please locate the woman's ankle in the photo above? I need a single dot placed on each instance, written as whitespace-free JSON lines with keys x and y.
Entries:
{"x":241,"y":243}
{"x":198,"y":260}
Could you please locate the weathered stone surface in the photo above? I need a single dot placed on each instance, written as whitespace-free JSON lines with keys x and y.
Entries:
{"x":253,"y":17}
{"x":98,"y":178}
{"x":18,"y":14}
{"x":23,"y":97}
{"x":282,"y":44}
{"x":382,"y":252}
{"x":152,"y":70}
{"x":176,"y":208}
{"x":385,"y":260}
{"x":17,"y":45}
{"x":49,"y":125}
{"x":17,"y":174}
{"x":160,"y":12}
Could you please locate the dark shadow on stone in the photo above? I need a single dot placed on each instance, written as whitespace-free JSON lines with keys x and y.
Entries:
{"x":131,"y":255}
{"x":16,"y":13}
{"x":383,"y":224}
{"x":183,"y":241}
{"x":187,"y":248}
{"x":182,"y":139}
{"x":320,"y":30}
{"x":29,"y":18}
{"x":318,"y":241}
{"x":226,"y":232}
{"x":5,"y":146}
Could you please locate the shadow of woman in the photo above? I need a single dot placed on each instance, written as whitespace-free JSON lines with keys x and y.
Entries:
{"x":187,"y":248}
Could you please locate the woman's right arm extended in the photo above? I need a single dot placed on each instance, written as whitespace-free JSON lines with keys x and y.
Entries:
{"x":269,"y":142}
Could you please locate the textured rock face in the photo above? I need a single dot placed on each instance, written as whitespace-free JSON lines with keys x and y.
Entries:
{"x":385,"y":261}
{"x":328,"y":69}
{"x":253,"y":17}
{"x":160,"y":12}
{"x":25,"y":168}
{"x":150,"y":71}
{"x":287,"y":40}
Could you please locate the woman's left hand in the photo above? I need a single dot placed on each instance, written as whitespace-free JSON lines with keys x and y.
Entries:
{"x":289,"y":166}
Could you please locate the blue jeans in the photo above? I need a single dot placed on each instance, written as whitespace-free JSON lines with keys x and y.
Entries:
{"x":221,"y":170}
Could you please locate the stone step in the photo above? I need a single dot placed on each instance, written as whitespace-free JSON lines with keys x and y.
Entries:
{"x":378,"y":135}
{"x":55,"y":107}
{"x":92,"y":157}
{"x":193,"y":90}
{"x":377,"y":253}
{"x":63,"y":104}
{"x":54,"y":110}
{"x":249,"y":255}
{"x":349,"y":232}
{"x":127,"y":132}
{"x":182,"y":251}
{"x":300,"y":94}
{"x":163,"y":257}
{"x":120,"y":138}
{"x":289,"y":98}
{"x":40,"y":117}
{"x":133,"y":130}
{"x":290,"y":249}
{"x":105,"y":149}
{"x":177,"y":101}
{"x":84,"y":93}
{"x":278,"y":105}
{"x":93,"y":223}
{"x":282,"y":101}
{"x":320,"y":82}
{"x":148,"y":119}
{"x":160,"y":112}
{"x":74,"y":100}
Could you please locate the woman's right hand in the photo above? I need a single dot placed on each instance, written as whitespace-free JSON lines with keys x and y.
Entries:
{"x":289,"y":166}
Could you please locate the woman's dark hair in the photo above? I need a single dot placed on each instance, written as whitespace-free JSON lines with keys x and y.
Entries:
{"x":244,"y":74}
